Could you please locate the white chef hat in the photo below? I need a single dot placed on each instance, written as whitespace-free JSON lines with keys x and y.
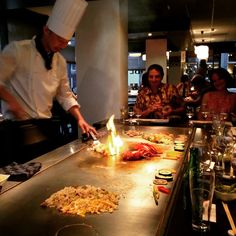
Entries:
{"x":65,"y":16}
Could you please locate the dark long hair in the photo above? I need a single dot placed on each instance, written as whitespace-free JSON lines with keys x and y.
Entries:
{"x":146,"y":74}
{"x":223,"y":74}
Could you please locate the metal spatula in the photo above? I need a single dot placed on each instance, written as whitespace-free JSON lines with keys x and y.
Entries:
{"x":95,"y":140}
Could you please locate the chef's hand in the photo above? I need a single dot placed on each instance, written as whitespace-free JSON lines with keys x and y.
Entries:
{"x":86,"y":128}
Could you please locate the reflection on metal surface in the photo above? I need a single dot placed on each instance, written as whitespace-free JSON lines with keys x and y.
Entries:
{"x":77,"y":229}
{"x":72,"y":151}
{"x":150,"y":168}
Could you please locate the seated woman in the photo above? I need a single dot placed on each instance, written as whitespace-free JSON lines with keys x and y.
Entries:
{"x":156,"y":99}
{"x":220,"y":100}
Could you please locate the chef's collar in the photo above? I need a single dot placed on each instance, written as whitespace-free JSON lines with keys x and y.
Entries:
{"x":46,"y":56}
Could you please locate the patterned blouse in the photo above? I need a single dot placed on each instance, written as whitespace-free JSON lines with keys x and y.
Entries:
{"x":167,"y":96}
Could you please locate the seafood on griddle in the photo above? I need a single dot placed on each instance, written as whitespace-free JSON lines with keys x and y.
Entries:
{"x":100,"y":148}
{"x":140,"y":151}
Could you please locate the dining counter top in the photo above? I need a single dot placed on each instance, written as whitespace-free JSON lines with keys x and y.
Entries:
{"x":74,"y":164}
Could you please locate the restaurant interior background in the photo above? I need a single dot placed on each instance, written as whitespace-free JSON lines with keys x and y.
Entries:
{"x":116,"y":28}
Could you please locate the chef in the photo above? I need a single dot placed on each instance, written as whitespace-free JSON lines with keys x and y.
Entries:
{"x":33,"y":73}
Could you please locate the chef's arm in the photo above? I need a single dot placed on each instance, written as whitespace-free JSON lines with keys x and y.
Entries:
{"x":85,"y":127}
{"x":13,"y":104}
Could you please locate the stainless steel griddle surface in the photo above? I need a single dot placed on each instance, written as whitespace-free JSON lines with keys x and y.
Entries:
{"x":21,"y":213}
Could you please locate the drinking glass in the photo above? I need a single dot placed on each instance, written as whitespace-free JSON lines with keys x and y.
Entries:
{"x":217,"y":152}
{"x":233,"y":163}
{"x":228,"y":155}
{"x":123,"y":114}
{"x":222,"y":149}
{"x":205,"y":155}
{"x":190,"y":114}
{"x":131,"y":114}
{"x":218,"y":124}
{"x":204,"y":111}
{"x":138,"y":116}
{"x":223,"y":116}
{"x":202,"y":186}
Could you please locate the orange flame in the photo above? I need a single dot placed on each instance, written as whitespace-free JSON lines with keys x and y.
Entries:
{"x":114,"y":140}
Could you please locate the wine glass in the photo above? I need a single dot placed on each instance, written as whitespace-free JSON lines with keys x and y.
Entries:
{"x":138,"y":116}
{"x":204,"y":111}
{"x":223,"y":116}
{"x":190,"y":114}
{"x":123,"y":114}
{"x":223,"y":149}
{"x":233,"y":159}
{"x":218,"y":124}
{"x":131,"y":114}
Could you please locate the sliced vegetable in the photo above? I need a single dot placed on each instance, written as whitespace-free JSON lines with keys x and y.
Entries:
{"x":156,"y":194}
{"x":163,"y":189}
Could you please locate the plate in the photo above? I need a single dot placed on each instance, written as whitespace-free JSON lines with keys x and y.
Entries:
{"x":207,"y":122}
{"x":224,"y":196}
{"x":77,"y":229}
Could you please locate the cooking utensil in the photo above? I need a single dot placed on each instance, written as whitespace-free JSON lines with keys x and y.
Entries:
{"x":95,"y":140}
{"x":229,"y":216}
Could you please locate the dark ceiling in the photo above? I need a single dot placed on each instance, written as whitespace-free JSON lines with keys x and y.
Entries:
{"x":160,"y":18}
{"x":15,"y":4}
{"x":183,"y":23}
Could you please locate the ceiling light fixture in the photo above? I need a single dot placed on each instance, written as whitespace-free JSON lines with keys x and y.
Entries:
{"x":149,"y":34}
{"x":135,"y":54}
{"x":202,"y":52}
{"x":144,"y":57}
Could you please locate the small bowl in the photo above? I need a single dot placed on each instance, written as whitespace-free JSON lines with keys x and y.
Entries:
{"x":3,"y":179}
{"x":224,"y":196}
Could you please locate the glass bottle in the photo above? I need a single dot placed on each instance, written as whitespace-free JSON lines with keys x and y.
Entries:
{"x":193,"y":163}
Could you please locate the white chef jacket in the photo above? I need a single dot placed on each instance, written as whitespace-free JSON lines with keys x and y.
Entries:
{"x":23,"y":72}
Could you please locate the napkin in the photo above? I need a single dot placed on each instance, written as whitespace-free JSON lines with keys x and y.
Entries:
{"x":21,"y":172}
